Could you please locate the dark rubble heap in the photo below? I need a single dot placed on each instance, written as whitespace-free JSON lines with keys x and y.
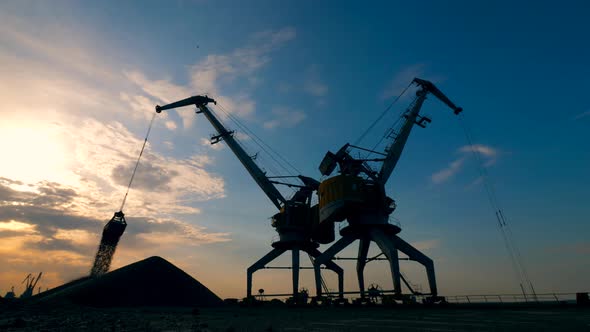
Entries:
{"x":150,"y":282}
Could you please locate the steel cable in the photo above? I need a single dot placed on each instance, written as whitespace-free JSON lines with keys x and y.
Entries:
{"x":137,"y":163}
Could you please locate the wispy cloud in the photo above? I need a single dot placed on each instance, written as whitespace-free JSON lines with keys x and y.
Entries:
{"x":170,"y":125}
{"x":284,"y":87}
{"x":404,"y":77}
{"x":142,"y":105}
{"x":486,"y":154}
{"x":45,"y":223}
{"x":401,"y":80}
{"x":449,"y":171}
{"x":72,"y":156}
{"x":313,"y":83}
{"x":59,"y":45}
{"x":216,"y":72}
{"x":582,"y":115}
{"x":284,"y":117}
{"x":489,"y":155}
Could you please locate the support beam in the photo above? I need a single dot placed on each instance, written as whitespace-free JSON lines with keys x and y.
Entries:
{"x":419,"y":257}
{"x":361,"y":262}
{"x":326,"y":258}
{"x":388,"y":247}
{"x":272,"y":255}
{"x":331,"y":266}
{"x":295,"y":264}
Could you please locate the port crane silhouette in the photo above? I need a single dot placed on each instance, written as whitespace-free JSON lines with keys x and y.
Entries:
{"x":30,"y":282}
{"x":297,"y":220}
{"x":357,"y":194}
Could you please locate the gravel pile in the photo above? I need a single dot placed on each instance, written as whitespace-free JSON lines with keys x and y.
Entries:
{"x":150,"y":282}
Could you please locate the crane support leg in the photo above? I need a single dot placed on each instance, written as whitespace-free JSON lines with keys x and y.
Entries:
{"x":361,"y":262}
{"x":326,"y":257}
{"x":272,"y":255}
{"x":332,"y":266}
{"x":415,"y":255}
{"x":295,"y":270}
{"x":388,"y":247}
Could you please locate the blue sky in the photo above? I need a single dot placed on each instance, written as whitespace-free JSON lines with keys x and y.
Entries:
{"x":80,"y":80}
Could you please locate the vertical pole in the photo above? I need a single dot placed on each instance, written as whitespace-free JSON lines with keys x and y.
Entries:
{"x":259,"y":265}
{"x":249,"y":284}
{"x":388,"y":248}
{"x":361,"y":262}
{"x":523,"y":293}
{"x":295,"y":269}
{"x":326,"y":257}
{"x":332,"y":266}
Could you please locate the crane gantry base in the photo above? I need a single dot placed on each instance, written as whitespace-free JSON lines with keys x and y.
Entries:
{"x":388,"y":242}
{"x":281,"y":247}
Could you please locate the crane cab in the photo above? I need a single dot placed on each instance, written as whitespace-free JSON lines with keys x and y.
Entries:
{"x":337,"y":195}
{"x":299,"y":222}
{"x":344,"y":195}
{"x":294,"y":216}
{"x":324,"y":232}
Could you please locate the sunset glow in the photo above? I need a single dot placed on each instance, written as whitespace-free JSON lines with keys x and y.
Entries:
{"x":34,"y":152}
{"x":79,"y":82}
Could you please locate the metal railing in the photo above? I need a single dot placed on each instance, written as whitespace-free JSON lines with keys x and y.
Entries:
{"x":558,"y":298}
{"x":547,"y":298}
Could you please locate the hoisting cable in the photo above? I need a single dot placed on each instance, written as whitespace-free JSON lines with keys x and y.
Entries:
{"x":115,"y":228}
{"x":517,"y":265}
{"x":137,"y":163}
{"x":382,"y":114}
{"x":513,"y":251}
{"x":323,"y":282}
{"x":388,"y":132}
{"x":252,"y":136}
{"x":257,"y":140}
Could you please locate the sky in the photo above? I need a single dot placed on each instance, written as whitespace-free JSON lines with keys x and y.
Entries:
{"x":80,"y":79}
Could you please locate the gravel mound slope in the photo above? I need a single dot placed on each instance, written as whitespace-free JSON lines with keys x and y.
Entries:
{"x":150,"y":282}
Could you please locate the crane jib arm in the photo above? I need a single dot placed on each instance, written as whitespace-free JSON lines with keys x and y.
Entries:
{"x":394,"y":151}
{"x":411,"y":116}
{"x":263,"y":182}
{"x":259,"y":176}
{"x":430,"y":87}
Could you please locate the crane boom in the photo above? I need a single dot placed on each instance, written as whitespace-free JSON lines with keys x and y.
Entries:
{"x":259,"y":176}
{"x":395,"y":149}
{"x":412,"y":117}
{"x":430,"y":87}
{"x":34,"y":284}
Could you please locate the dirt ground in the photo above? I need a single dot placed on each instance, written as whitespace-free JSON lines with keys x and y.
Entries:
{"x":71,"y":318}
